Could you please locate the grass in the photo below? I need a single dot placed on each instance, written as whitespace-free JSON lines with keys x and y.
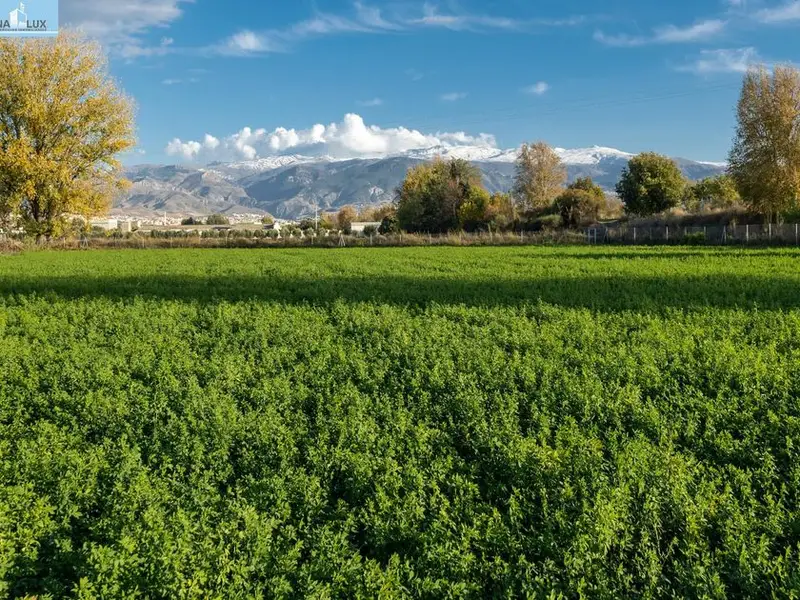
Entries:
{"x":400,"y":422}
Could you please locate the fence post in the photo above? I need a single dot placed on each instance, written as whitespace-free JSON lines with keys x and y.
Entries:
{"x":634,"y":235}
{"x":667,"y":227}
{"x":796,"y":235}
{"x":770,"y":231}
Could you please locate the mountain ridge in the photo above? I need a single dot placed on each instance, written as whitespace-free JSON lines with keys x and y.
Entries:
{"x":295,"y":185}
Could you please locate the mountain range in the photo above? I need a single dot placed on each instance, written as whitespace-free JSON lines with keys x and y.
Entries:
{"x":293,"y":186}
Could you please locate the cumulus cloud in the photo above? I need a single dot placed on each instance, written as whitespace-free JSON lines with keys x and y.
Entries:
{"x":351,"y":138}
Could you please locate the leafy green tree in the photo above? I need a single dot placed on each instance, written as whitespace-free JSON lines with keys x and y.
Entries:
{"x":217,"y":219}
{"x":481,"y":211}
{"x":63,"y":122}
{"x":539,"y":179}
{"x":715,"y":192}
{"x":389,"y":225}
{"x":307,"y":225}
{"x":765,"y":159}
{"x":587,"y":185}
{"x":578,"y":206}
{"x":191,"y":221}
{"x":267,"y":220}
{"x":431,"y":196}
{"x":651,"y":184}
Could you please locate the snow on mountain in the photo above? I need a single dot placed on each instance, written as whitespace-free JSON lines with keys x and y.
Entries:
{"x":578,"y":156}
{"x":268,"y":163}
{"x":471,"y":153}
{"x":591,"y":156}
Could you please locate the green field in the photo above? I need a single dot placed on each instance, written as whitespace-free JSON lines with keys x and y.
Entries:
{"x":391,"y":423}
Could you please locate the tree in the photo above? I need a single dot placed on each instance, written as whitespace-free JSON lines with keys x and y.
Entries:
{"x":650,"y":184}
{"x":63,"y":121}
{"x":431,"y":196}
{"x":376,"y":213}
{"x":582,"y":201}
{"x":190,"y":221}
{"x":765,"y":159}
{"x":540,"y":177}
{"x":307,"y":225}
{"x":217,"y":219}
{"x":482,"y":211}
{"x":345,"y":218}
{"x":267,"y":220}
{"x":389,"y":225}
{"x":713,"y":192}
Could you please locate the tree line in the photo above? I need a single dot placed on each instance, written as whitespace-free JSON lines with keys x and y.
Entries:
{"x":763,"y":175}
{"x":64,"y":122}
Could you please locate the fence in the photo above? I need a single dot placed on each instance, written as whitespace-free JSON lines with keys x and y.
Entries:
{"x":765,"y":235}
{"x":330,"y":241}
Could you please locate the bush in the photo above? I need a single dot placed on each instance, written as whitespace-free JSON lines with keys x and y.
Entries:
{"x":370,"y":230}
{"x":577,"y":206}
{"x":218,"y":220}
{"x":694,"y":239}
{"x":389,"y":225}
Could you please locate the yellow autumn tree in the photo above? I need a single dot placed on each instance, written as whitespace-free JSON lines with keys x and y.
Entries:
{"x":63,"y":121}
{"x":540,"y":177}
{"x":765,"y":159}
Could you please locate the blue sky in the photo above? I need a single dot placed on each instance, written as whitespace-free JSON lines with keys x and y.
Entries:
{"x":232,"y":80}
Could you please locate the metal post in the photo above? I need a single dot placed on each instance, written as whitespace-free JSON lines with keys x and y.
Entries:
{"x":667,"y":232}
{"x":747,"y":233}
{"x":634,"y":235}
{"x":770,"y":231}
{"x":796,"y":235}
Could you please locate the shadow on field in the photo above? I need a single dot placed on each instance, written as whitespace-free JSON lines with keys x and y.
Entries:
{"x":604,"y":293}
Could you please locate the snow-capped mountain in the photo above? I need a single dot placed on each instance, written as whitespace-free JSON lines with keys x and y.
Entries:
{"x":291,"y":186}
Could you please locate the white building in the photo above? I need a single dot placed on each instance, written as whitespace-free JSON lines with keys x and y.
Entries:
{"x":17,"y":18}
{"x":360,"y":227}
{"x":107,"y":224}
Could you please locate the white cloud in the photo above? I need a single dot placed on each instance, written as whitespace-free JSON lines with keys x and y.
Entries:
{"x":537,"y":89}
{"x":453,"y":96}
{"x":780,"y":14}
{"x":734,"y":60}
{"x":370,"y":103}
{"x":120,"y":24}
{"x":670,"y":34}
{"x":431,"y":17}
{"x":365,"y":19}
{"x":666,"y":34}
{"x":246,"y":42}
{"x":351,"y":138}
